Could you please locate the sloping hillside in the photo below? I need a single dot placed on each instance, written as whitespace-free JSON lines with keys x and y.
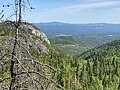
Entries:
{"x":109,"y":50}
{"x":38,"y":65}
{"x":50,"y":67}
{"x":68,"y":43}
{"x":27,"y":34}
{"x":27,"y":67}
{"x":63,"y":39}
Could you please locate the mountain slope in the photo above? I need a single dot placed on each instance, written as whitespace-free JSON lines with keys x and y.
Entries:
{"x":26,"y":64}
{"x":27,"y":35}
{"x":103,"y":64}
{"x":53,"y":70}
{"x":63,"y":39}
{"x":111,"y":50}
{"x":68,"y":44}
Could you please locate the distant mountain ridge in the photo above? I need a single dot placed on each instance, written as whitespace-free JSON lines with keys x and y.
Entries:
{"x":55,"y":28}
{"x":61,"y":23}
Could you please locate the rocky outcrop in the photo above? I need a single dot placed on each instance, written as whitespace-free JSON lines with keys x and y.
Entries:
{"x":37,"y":32}
{"x":27,"y":38}
{"x":38,"y":45}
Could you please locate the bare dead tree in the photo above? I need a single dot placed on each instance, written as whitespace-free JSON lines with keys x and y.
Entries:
{"x":2,"y":15}
{"x":26,"y":72}
{"x":18,"y":11}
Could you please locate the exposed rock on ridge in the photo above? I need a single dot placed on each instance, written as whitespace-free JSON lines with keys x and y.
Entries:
{"x":27,"y":36}
{"x":37,"y":32}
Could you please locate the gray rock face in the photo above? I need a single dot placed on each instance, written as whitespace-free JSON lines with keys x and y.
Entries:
{"x":39,"y":46}
{"x":37,"y":33}
{"x":42,"y":48}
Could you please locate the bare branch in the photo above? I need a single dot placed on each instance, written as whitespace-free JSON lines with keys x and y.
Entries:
{"x":49,"y":79}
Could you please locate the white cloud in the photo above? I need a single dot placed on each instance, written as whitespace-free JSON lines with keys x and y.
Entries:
{"x":89,"y":6}
{"x":81,"y":12}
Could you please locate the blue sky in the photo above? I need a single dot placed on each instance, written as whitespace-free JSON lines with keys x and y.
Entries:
{"x":73,"y":11}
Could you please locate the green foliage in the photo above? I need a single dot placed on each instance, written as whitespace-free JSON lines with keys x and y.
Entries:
{"x":68,"y":43}
{"x":63,"y":40}
{"x":74,"y":73}
{"x":105,"y":64}
{"x":99,"y":71}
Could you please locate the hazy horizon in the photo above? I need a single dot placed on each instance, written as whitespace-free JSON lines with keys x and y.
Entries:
{"x":75,"y":23}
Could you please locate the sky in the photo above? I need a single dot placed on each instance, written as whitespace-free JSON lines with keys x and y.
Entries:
{"x":71,"y":11}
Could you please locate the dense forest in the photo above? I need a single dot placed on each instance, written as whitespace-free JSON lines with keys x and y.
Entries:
{"x":95,"y":69}
{"x":29,"y":61}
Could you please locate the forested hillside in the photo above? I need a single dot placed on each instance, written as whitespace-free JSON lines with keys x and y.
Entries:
{"x":109,"y":50}
{"x":68,"y":43}
{"x":29,"y":70}
{"x":96,"y":69}
{"x":63,"y":39}
{"x":105,"y":63}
